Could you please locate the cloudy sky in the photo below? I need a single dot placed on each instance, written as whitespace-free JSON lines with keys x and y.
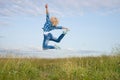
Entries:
{"x":93,"y":24}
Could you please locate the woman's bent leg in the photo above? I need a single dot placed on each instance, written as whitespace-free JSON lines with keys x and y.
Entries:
{"x":45,"y":42}
{"x":57,"y":39}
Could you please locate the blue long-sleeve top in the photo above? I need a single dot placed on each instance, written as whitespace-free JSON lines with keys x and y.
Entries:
{"x":48,"y":25}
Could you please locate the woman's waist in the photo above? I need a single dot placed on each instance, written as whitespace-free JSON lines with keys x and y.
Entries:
{"x":47,"y":32}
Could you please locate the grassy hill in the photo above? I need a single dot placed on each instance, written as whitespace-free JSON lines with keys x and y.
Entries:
{"x":84,"y":68}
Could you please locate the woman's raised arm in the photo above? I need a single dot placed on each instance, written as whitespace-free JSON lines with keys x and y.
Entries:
{"x":46,"y":6}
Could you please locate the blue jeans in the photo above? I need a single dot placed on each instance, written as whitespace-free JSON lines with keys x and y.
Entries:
{"x":49,"y":37}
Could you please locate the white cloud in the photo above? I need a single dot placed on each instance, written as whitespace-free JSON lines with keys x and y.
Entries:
{"x":59,"y":7}
{"x":48,"y":53}
{"x":2,"y":23}
{"x":16,"y":7}
{"x":82,"y":6}
{"x":34,"y":48}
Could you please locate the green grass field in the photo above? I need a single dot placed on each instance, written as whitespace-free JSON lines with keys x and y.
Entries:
{"x":84,"y":68}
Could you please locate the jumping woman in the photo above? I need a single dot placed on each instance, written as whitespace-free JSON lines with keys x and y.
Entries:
{"x":51,"y":24}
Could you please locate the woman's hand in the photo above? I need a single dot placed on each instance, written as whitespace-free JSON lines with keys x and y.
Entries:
{"x":65,"y":28}
{"x":46,"y":6}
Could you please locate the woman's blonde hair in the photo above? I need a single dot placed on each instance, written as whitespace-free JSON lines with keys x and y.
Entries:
{"x":54,"y":21}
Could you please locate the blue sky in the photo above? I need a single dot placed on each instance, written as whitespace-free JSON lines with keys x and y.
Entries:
{"x":93,"y":24}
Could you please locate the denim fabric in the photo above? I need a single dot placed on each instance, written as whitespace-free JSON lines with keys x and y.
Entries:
{"x":49,"y":37}
{"x":48,"y":25}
